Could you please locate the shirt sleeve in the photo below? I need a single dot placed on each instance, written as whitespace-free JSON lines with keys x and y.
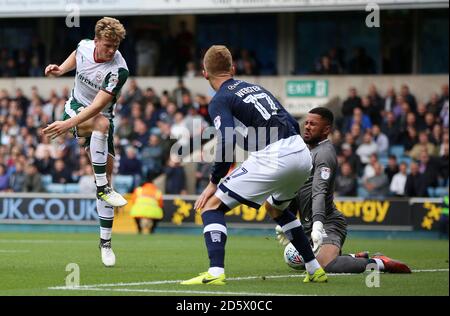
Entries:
{"x":325,"y":169}
{"x":114,"y":81}
{"x":221,"y":115}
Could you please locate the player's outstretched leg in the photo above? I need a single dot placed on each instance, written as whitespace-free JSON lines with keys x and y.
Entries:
{"x":390,"y":265}
{"x":215,"y":234}
{"x":99,"y":154}
{"x":293,"y":231}
{"x":106,"y":218}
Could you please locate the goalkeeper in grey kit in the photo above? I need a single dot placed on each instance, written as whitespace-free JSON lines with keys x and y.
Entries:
{"x":322,"y":222}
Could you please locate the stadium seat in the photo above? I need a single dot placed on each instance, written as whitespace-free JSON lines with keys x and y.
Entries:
{"x":55,"y":188}
{"x":397,"y":150}
{"x":362,"y":192}
{"x":123,"y":184}
{"x":384,"y":161}
{"x":440,"y":191}
{"x":46,"y":179}
{"x":405,"y":159}
{"x":72,"y":188}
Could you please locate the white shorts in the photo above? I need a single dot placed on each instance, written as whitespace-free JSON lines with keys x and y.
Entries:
{"x":272,"y":176}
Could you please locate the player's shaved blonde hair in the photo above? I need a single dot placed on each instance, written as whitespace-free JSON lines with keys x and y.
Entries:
{"x":110,"y":29}
{"x":218,"y":61}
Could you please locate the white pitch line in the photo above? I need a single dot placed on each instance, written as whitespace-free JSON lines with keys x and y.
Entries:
{"x":87,"y":287}
{"x":183,"y":292}
{"x":41,"y":241}
{"x":13,"y":251}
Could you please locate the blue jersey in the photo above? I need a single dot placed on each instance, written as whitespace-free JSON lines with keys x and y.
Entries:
{"x":251,"y":111}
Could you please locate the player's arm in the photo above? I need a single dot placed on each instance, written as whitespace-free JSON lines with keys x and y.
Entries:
{"x":220,"y":113}
{"x":69,"y":64}
{"x":325,"y":167}
{"x":58,"y":128}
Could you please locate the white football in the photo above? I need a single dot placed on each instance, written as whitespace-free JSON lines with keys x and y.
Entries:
{"x":293,"y":258}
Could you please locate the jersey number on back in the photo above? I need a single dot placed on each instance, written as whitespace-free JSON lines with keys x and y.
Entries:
{"x":256,"y":100}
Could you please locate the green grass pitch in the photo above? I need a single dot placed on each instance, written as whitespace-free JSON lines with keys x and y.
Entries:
{"x":35,"y":264}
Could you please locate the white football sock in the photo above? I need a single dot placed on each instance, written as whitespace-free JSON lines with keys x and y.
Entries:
{"x":216,"y":271}
{"x":312,"y":266}
{"x":99,"y":155}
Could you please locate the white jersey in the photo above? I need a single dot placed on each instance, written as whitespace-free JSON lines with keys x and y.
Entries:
{"x":93,"y":75}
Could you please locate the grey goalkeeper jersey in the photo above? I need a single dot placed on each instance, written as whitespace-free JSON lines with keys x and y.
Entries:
{"x":315,"y":198}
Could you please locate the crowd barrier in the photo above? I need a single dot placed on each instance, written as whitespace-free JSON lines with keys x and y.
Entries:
{"x":73,"y":209}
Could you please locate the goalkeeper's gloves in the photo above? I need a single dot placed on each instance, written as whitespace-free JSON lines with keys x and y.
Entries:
{"x":317,"y":235}
{"x":282,"y":239}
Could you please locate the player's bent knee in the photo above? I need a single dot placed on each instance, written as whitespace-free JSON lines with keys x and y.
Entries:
{"x":213,"y":203}
{"x":101,"y":124}
{"x":327,"y":254}
{"x":273,"y":211}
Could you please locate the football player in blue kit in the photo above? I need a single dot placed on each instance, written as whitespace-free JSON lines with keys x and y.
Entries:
{"x":278,"y":164}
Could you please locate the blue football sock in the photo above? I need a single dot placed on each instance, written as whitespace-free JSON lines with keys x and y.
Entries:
{"x":293,"y":230}
{"x":215,"y":233}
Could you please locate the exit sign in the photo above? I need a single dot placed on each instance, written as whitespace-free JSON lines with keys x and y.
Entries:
{"x":307,"y":88}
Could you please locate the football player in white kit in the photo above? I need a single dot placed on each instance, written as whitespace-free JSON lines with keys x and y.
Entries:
{"x":101,"y":72}
{"x":272,"y":175}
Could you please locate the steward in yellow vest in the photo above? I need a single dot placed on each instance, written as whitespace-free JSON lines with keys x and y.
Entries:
{"x":147,"y":206}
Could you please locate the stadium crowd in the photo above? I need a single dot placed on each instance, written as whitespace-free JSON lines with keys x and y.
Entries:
{"x":390,"y":145}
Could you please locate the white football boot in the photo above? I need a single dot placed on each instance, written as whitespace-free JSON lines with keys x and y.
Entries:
{"x":108,"y":256}
{"x":111,"y":197}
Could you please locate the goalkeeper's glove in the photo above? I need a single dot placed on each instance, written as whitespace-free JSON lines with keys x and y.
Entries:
{"x":282,"y":239}
{"x":317,"y":235}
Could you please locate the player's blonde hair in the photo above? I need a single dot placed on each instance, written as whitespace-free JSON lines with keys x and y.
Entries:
{"x":218,"y":61}
{"x":110,"y":29}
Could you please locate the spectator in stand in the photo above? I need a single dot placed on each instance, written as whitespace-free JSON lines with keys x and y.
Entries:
{"x":4,"y":179}
{"x":355,"y":137}
{"x":353,"y":101}
{"x":423,"y":144}
{"x":130,"y":164}
{"x":191,"y":71}
{"x":378,"y":185}
{"x":152,"y":158}
{"x":202,"y":176}
{"x":444,"y":93}
{"x":409,"y":140}
{"x":346,"y":181}
{"x":351,"y":157}
{"x":33,"y":182}
{"x":45,"y":163}
{"x":444,"y":114}
{"x":415,"y":182}
{"x":434,"y":106}
{"x":61,"y":174}
{"x":175,"y":176}
{"x":360,"y":119}
{"x":408,"y":97}
{"x":369,"y":169}
{"x":87,"y":180}
{"x":381,"y":140}
{"x":389,"y":101}
{"x":140,"y":134}
{"x":436,"y":135}
{"x":133,"y":93}
{"x":391,"y":129}
{"x":366,"y":149}
{"x":184,"y":45}
{"x":371,"y":110}
{"x":411,"y":122}
{"x":392,"y":168}
{"x":429,"y":167}
{"x":177,"y":93}
{"x":443,"y":164}
{"x":325,"y":67}
{"x":17,"y":179}
{"x":361,"y":63}
{"x":420,"y":117}
{"x":376,"y":100}
{"x":398,"y":183}
{"x":430,"y":120}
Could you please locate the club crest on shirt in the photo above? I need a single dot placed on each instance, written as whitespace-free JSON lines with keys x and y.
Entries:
{"x":217,"y":122}
{"x":325,"y":173}
{"x":99,"y":76}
